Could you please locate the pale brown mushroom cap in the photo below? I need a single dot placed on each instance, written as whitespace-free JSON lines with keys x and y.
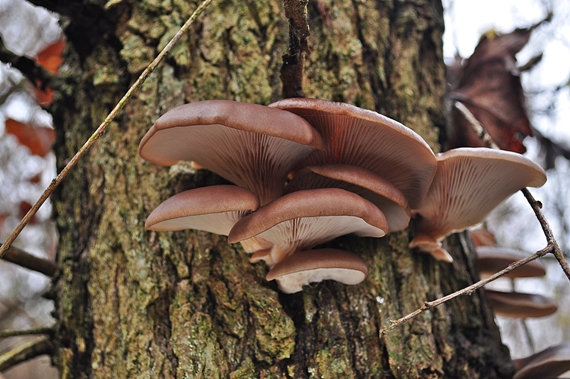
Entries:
{"x":250,"y":145}
{"x":305,"y":267}
{"x":426,"y":244}
{"x":548,"y":363}
{"x":367,"y":184}
{"x":214,"y":209}
{"x":492,"y":259}
{"x":482,"y":237}
{"x":520,"y":305}
{"x":470,"y":183}
{"x":303,"y":219}
{"x":369,"y":140}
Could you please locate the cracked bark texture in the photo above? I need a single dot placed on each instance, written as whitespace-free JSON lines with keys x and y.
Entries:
{"x":132,"y":303}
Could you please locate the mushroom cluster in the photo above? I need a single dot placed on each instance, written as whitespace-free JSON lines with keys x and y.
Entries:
{"x":307,"y":171}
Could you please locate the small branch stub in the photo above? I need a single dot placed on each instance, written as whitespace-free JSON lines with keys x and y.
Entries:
{"x":292,"y":69}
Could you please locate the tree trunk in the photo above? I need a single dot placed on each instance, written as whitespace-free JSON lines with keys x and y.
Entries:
{"x":132,"y":303}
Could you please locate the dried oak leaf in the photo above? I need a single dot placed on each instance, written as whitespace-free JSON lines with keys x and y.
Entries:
{"x":489,"y":85}
{"x":37,"y":138}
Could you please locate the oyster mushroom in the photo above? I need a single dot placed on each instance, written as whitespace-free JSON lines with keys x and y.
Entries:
{"x":370,"y":186}
{"x":369,"y":140}
{"x":548,"y":363}
{"x":250,"y":145}
{"x":469,"y":183}
{"x":520,"y":305}
{"x":214,"y":209}
{"x":492,"y":259}
{"x":305,"y":267}
{"x":303,"y":219}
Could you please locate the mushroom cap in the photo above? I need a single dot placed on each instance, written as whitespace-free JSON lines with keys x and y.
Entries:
{"x":214,"y":209}
{"x":470,"y":183}
{"x":367,"y":184}
{"x":548,"y":363}
{"x":250,"y":145}
{"x":492,"y":259}
{"x":303,"y":219}
{"x":520,"y":305}
{"x":426,"y":244}
{"x":310,"y":266}
{"x":482,"y":237}
{"x":369,"y":140}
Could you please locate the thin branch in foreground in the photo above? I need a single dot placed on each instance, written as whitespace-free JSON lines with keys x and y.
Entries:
{"x":467,"y":290}
{"x":25,"y":352}
{"x":28,"y":332}
{"x":101,"y":129}
{"x":29,"y":261}
{"x":558,"y":254}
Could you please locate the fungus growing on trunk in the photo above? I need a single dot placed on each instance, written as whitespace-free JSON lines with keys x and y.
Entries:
{"x":369,"y":140}
{"x":364,"y":183}
{"x":312,"y":266}
{"x":520,"y":305}
{"x":250,"y":145}
{"x":548,"y":363}
{"x":214,"y":209}
{"x":303,"y":219}
{"x":492,"y":259}
{"x":468,"y":184}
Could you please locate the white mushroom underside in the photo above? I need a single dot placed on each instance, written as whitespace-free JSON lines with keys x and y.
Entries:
{"x":294,"y":282}
{"x":218,"y":223}
{"x":305,"y":232}
{"x":394,"y":153}
{"x":466,"y":189}
{"x":255,"y":161}
{"x":397,"y":216}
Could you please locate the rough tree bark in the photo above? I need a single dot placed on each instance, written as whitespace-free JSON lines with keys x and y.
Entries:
{"x":132,"y":303}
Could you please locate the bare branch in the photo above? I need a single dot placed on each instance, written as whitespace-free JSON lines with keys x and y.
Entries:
{"x":25,"y":352}
{"x":29,"y":332}
{"x":536,"y":207}
{"x":467,"y":290}
{"x":29,"y":261}
{"x":101,"y":129}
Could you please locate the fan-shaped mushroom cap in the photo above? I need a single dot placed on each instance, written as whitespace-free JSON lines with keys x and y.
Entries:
{"x":303,"y":219}
{"x":520,"y":305}
{"x":470,"y":183}
{"x":214,"y":209}
{"x":250,"y":145}
{"x":369,"y":140}
{"x":365,"y":183}
{"x":311,"y":266}
{"x":482,"y":237}
{"x":492,"y":259}
{"x":548,"y":363}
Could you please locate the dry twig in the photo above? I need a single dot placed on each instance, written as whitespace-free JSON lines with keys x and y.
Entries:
{"x":29,"y":261}
{"x":29,"y":332}
{"x":25,"y":352}
{"x":101,"y":129}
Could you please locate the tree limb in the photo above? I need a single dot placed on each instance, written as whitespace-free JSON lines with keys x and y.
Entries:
{"x":29,"y":261}
{"x":25,"y":352}
{"x":16,"y":333}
